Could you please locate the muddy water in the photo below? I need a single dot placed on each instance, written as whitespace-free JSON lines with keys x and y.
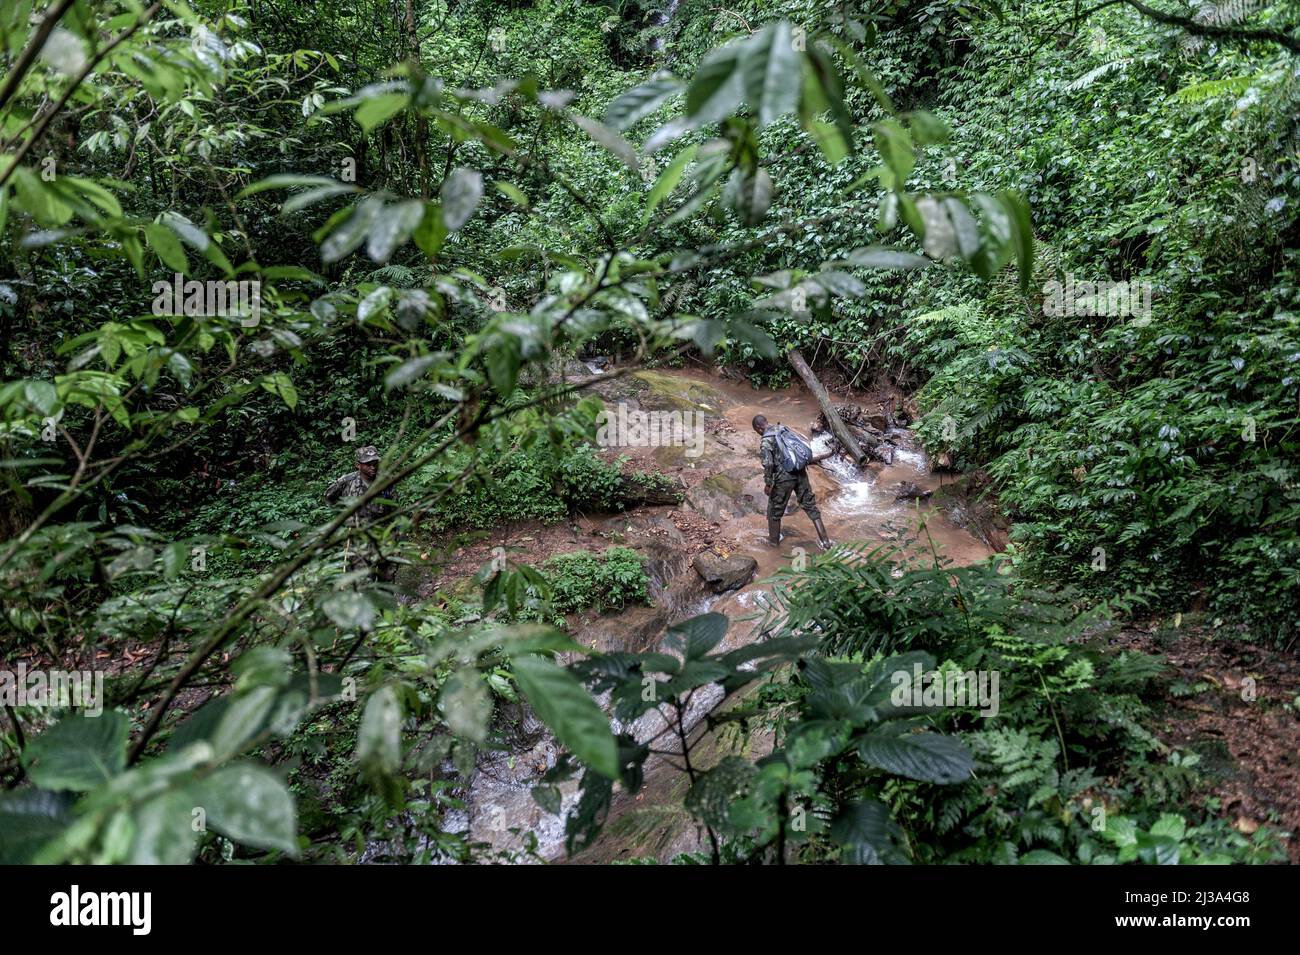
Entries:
{"x":856,"y":506}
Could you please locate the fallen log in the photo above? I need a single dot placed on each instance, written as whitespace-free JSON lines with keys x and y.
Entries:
{"x":837,"y":427}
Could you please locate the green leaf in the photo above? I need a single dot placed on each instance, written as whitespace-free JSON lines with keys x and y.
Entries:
{"x":564,"y":705}
{"x":609,"y":138}
{"x":928,"y":757}
{"x":772,"y":72}
{"x":503,"y":362}
{"x":164,"y":242}
{"x":698,"y":635}
{"x":164,"y":832}
{"x":379,"y":737}
{"x":249,"y":804}
{"x":928,"y":129}
{"x":512,"y":192}
{"x":1022,"y":236}
{"x":716,"y":89}
{"x":868,"y":835}
{"x":460,"y":193}
{"x":379,"y":109}
{"x":242,"y":719}
{"x":466,"y":704}
{"x":188,"y":232}
{"x":350,"y":609}
{"x":285,"y":181}
{"x":748,"y":195}
{"x":878,"y":257}
{"x":374,"y":304}
{"x":351,"y":231}
{"x":1042,"y":857}
{"x":409,"y":371}
{"x":895,"y":145}
{"x":78,"y":752}
{"x":432,"y":231}
{"x":393,"y":225}
{"x":640,"y":101}
{"x":667,"y":181}
{"x":279,"y":384}
{"x":29,"y":818}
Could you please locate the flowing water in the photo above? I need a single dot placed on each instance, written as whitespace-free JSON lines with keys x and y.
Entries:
{"x":856,"y":505}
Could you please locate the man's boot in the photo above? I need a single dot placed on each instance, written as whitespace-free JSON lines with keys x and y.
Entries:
{"x":822,"y":536}
{"x":773,"y":532}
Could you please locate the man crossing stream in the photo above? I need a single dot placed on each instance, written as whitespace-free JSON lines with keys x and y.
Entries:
{"x":785,"y":458}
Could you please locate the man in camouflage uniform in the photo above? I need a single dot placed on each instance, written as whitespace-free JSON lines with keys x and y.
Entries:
{"x":780,"y":483}
{"x":361,"y":552}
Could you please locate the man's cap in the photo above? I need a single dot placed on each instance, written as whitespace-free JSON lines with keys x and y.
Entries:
{"x":367,"y":454}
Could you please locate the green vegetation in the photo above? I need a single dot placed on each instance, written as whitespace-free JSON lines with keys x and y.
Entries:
{"x":432,"y":216}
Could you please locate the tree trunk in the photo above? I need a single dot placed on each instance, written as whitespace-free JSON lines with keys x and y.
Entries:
{"x":837,"y":426}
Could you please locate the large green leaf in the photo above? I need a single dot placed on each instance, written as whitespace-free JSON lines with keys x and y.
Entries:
{"x":379,"y":739}
{"x":640,"y":101}
{"x":772,"y":71}
{"x":466,"y":704}
{"x":29,"y":818}
{"x":698,"y":635}
{"x":162,"y":830}
{"x":461,"y":192}
{"x":249,"y":804}
{"x":717,"y":87}
{"x":928,"y":757}
{"x":1022,"y":236}
{"x":392,"y":227}
{"x":564,"y":705}
{"x":748,"y":195}
{"x":667,"y":181}
{"x":379,"y":109}
{"x":867,"y":835}
{"x":609,"y":138}
{"x":79,"y":752}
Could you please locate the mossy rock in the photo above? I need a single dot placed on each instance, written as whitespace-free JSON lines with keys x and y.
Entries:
{"x":725,"y":484}
{"x":660,"y":392}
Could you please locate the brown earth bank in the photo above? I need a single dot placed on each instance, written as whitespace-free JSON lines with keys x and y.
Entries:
{"x":1235,"y":704}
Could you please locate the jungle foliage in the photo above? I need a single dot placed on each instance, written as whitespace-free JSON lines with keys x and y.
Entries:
{"x":442,"y":205}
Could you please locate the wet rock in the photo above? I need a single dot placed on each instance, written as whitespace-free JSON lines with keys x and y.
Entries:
{"x":908,"y":491}
{"x":971,"y":502}
{"x":724,"y":496}
{"x":634,"y":630}
{"x":721,"y":574}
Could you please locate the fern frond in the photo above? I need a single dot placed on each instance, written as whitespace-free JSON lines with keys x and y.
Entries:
{"x":1225,"y":12}
{"x":1210,"y":89}
{"x":1083,"y":82}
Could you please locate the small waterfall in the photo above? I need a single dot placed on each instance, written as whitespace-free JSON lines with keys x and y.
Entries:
{"x":662,"y":19}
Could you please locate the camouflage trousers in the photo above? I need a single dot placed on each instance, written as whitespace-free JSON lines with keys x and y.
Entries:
{"x":783,"y":487}
{"x":367,"y":558}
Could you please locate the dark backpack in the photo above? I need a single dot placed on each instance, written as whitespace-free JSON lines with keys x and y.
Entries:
{"x":795,"y":453}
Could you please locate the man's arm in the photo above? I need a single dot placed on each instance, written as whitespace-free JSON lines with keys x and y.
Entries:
{"x":767,"y":451}
{"x":334,"y":490}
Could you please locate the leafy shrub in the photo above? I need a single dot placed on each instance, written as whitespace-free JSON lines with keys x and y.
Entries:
{"x":610,"y":580}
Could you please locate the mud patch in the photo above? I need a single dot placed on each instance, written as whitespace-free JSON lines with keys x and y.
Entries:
{"x":1250,"y":749}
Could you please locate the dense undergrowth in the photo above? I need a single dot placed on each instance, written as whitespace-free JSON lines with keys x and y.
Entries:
{"x":442,"y":218}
